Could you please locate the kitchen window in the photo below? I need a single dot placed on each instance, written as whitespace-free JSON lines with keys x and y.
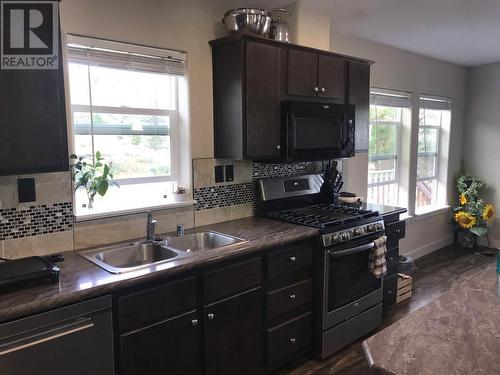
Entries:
{"x":124,"y":104}
{"x":434,"y":115}
{"x":387,"y":113}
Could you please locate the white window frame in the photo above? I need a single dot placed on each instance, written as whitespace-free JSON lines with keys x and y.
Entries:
{"x":135,"y":50}
{"x":399,"y":97}
{"x":441,"y":104}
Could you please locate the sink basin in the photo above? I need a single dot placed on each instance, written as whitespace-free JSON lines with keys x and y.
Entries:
{"x":119,"y":259}
{"x":202,"y":241}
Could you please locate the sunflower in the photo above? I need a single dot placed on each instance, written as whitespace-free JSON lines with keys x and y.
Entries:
{"x":463,"y":199}
{"x":465,"y":220}
{"x":488,"y":212}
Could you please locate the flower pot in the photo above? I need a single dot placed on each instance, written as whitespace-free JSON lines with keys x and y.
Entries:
{"x":466,"y":239}
{"x":180,"y":197}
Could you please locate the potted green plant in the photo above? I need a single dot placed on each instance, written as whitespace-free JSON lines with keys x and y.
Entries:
{"x":93,"y":175}
{"x":472,"y":215}
{"x":180,"y":194}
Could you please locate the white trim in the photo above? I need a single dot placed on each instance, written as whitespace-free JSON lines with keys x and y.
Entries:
{"x":125,"y":47}
{"x":109,"y":214}
{"x":430,"y":248}
{"x":432,"y":211}
{"x":123,"y":110}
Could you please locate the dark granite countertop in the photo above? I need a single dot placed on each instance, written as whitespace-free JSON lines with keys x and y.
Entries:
{"x":458,"y":333}
{"x":383,"y":210}
{"x":81,"y":279}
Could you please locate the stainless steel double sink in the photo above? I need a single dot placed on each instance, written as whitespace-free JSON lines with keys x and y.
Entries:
{"x":120,"y":259}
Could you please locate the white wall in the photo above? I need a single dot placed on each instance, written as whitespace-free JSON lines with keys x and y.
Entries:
{"x":401,"y":70}
{"x":482,"y":134}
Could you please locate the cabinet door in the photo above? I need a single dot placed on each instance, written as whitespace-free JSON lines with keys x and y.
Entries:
{"x":330,"y":77}
{"x":32,"y":121}
{"x":233,"y":335}
{"x":263,"y":121}
{"x":359,"y":95}
{"x":170,"y":347}
{"x":302,"y":73}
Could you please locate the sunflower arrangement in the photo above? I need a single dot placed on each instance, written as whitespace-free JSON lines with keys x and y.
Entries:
{"x":472,"y":213}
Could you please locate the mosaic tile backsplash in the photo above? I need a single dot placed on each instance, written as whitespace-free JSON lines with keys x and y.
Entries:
{"x":35,"y":220}
{"x":209,"y":197}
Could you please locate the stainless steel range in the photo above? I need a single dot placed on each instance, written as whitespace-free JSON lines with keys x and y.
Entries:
{"x":351,"y":297}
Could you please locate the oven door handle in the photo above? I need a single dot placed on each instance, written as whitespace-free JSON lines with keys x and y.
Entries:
{"x":354,"y":250}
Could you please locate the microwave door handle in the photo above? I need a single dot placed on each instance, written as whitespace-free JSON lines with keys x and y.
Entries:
{"x":344,"y":131}
{"x":354,"y":250}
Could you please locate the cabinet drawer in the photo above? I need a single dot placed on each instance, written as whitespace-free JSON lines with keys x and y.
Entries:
{"x":288,"y":338}
{"x":232,"y":279}
{"x":292,"y":259}
{"x":390,"y":289}
{"x":289,"y":298}
{"x":392,"y":259}
{"x":165,"y":300}
{"x":396,"y":230}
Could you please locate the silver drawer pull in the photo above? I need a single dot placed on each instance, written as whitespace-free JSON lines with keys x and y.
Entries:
{"x":210,"y":316}
{"x":292,"y":297}
{"x":293,"y":259}
{"x":18,"y":343}
{"x":293,"y":340}
{"x":194,"y":322}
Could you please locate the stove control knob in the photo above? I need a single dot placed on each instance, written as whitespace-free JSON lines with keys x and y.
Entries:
{"x":345,"y":236}
{"x":371,"y":228}
{"x":336,"y":238}
{"x":359,"y":231}
{"x":379,"y":226}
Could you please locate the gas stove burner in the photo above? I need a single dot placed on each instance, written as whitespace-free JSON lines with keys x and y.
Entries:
{"x":323,"y":215}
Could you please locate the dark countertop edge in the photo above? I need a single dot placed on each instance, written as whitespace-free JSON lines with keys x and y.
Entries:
{"x":385,"y":210}
{"x":36,"y":306}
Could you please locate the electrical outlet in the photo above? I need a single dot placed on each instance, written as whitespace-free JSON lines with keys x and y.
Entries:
{"x":229,"y":173}
{"x":219,"y":173}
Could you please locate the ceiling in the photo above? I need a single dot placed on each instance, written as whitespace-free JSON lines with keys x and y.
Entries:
{"x":464,"y":32}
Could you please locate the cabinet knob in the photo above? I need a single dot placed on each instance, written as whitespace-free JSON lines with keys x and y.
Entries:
{"x":210,"y":316}
{"x":278,"y":147}
{"x":389,"y":292}
{"x":316,"y":89}
{"x":292,"y":297}
{"x":194,"y":322}
{"x":293,"y":259}
{"x":323,"y":89}
{"x":293,"y":340}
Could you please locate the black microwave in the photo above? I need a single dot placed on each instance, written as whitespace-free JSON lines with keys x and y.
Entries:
{"x":317,"y":131}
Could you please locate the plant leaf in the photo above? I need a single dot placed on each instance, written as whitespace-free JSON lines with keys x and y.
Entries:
{"x":479,"y":231}
{"x":105,"y":173}
{"x":102,"y":187}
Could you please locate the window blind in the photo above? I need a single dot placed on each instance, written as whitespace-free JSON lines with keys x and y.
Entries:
{"x":98,"y":52}
{"x":435,"y":102}
{"x":390,"y":98}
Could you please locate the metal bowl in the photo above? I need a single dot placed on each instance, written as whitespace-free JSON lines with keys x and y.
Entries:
{"x":247,"y":21}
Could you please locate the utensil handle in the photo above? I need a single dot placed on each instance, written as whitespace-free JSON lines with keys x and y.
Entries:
{"x":280,"y":10}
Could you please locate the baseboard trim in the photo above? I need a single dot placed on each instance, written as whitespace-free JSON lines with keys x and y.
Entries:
{"x":429,"y":248}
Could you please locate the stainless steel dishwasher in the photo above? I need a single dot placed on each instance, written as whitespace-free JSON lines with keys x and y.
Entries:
{"x":77,"y":340}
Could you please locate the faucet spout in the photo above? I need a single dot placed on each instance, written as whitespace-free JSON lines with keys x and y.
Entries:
{"x":150,"y":227}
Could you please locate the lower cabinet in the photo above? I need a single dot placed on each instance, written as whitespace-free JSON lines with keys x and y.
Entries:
{"x":168,"y":347}
{"x":233,"y":335}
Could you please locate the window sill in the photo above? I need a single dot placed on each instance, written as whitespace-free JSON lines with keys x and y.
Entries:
{"x":115,"y":213}
{"x":422,"y":215}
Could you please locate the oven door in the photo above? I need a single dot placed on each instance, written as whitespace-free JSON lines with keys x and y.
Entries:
{"x":350,"y":287}
{"x":318,"y":131}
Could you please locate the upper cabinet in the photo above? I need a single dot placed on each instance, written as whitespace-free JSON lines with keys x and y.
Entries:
{"x":253,"y":76}
{"x":33,"y":134}
{"x":315,"y":75}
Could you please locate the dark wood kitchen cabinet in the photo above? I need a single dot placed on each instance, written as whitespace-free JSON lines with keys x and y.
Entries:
{"x":315,"y":75}
{"x":246,"y":100}
{"x":233,"y":335}
{"x":33,"y":135}
{"x":359,"y":95}
{"x":253,"y":76}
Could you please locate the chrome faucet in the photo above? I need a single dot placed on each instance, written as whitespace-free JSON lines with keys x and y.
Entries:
{"x":150,"y":227}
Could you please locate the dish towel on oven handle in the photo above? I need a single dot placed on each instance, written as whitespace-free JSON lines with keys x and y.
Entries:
{"x":377,"y":262}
